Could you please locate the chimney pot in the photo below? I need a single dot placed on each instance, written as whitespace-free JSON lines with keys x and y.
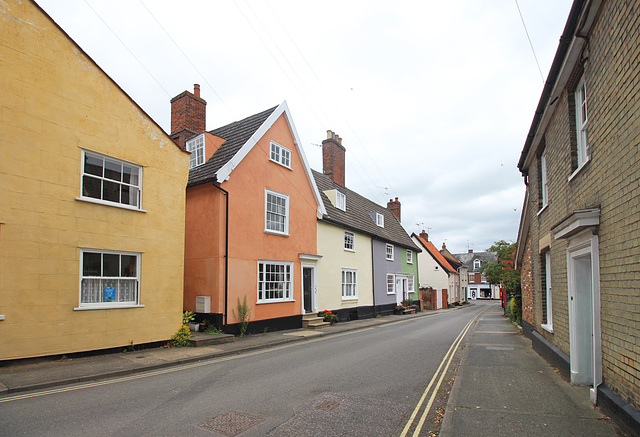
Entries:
{"x":196,"y":90}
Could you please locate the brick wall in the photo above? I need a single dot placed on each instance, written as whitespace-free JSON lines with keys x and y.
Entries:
{"x":188,"y":111}
{"x":333,"y":158}
{"x":526,"y":274}
{"x":609,"y":181}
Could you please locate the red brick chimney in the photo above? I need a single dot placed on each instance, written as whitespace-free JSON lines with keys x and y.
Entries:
{"x":333,"y":158}
{"x":424,"y":235}
{"x":188,"y":115}
{"x":444,"y":246}
{"x":394,"y":207}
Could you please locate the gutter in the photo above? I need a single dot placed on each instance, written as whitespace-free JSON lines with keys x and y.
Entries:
{"x":226,"y":252}
{"x":558,"y":62}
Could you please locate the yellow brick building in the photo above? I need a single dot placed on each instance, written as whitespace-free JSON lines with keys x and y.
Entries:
{"x":579,"y":240}
{"x":92,"y":201}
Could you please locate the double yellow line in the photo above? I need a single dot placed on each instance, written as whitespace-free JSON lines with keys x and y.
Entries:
{"x":441,"y":372}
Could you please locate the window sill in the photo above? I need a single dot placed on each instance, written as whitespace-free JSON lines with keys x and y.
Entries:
{"x":280,"y":164}
{"x":389,"y":259}
{"x":102,"y":202}
{"x":548,"y":328}
{"x":282,"y":234}
{"x":349,"y":299}
{"x":542,"y":209}
{"x":106,"y":307}
{"x":274,"y":301}
{"x":570,"y":178}
{"x":349,"y":250}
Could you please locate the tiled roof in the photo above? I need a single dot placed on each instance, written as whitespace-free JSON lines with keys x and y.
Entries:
{"x":436,"y":254}
{"x":236,"y":135}
{"x":468,"y":258}
{"x":357,"y":216}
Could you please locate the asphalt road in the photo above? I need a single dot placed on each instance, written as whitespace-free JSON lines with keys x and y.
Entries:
{"x":364,"y":382}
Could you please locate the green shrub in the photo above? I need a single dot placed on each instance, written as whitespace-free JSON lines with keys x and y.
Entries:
{"x":244,"y":314}
{"x":187,"y":317}
{"x":514,"y":310}
{"x":182,"y":337}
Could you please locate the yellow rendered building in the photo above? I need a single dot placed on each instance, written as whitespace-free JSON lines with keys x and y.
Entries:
{"x":92,"y":201}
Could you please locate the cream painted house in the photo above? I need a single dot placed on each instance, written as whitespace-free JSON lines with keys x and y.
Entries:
{"x":92,"y":204}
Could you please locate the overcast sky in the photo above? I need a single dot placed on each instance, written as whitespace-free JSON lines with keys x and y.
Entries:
{"x":433,"y":99}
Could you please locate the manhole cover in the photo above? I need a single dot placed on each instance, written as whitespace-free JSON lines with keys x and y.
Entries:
{"x":328,"y":405}
{"x":231,"y":424}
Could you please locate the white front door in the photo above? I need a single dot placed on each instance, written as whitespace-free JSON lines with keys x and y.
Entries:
{"x":401,"y":289}
{"x":584,"y":312}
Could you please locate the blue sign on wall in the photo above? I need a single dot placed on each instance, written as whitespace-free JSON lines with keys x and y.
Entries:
{"x":109,"y":294}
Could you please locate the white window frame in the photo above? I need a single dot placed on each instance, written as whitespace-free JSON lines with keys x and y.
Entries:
{"x":389,"y":252}
{"x":549,"y":325}
{"x":349,"y":241}
{"x":411,"y":284}
{"x":280,"y":155}
{"x":349,"y":288}
{"x":379,"y":220}
{"x":472,"y":277}
{"x":409,"y":256}
{"x":97,"y":298}
{"x":341,"y":201}
{"x":197,"y":149}
{"x":391,"y":283}
{"x":102,"y":179}
{"x":281,"y":289}
{"x":544,"y":181}
{"x":477,"y":264}
{"x":582,"y":123}
{"x":269,"y":215}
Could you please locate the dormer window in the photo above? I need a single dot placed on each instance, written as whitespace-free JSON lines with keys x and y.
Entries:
{"x":379,"y":220}
{"x":280,"y":155}
{"x":196,"y":147}
{"x":476,"y":264}
{"x":341,"y":201}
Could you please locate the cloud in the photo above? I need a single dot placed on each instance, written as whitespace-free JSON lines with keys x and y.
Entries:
{"x":433,"y":99}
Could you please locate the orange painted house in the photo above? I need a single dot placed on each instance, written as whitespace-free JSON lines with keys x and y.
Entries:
{"x":251,"y":217}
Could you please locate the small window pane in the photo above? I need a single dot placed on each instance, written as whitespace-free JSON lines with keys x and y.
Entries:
{"x":129,"y":175}
{"x":91,"y":187}
{"x":129,"y":266}
{"x":111,"y":264}
{"x":111,"y":191}
{"x":91,"y":265}
{"x":93,"y":165}
{"x":112,"y":170}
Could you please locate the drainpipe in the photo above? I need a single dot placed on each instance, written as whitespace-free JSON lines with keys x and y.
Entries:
{"x":373,"y":278}
{"x":226,"y":252}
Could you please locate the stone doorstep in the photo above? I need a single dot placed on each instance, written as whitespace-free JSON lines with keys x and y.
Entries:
{"x":201,"y":339}
{"x":312,"y":321}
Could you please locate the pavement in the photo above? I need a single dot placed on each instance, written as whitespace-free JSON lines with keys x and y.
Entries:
{"x":502,"y":387}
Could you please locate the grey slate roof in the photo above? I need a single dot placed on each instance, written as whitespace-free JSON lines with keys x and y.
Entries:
{"x":468,"y":258}
{"x":357,"y":218}
{"x":236,"y":135}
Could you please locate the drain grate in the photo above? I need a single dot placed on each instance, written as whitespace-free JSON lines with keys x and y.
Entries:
{"x":328,"y":405}
{"x":231,"y":424}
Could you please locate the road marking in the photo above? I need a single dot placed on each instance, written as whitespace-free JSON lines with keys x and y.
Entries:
{"x":447,"y":358}
{"x":147,"y":374}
